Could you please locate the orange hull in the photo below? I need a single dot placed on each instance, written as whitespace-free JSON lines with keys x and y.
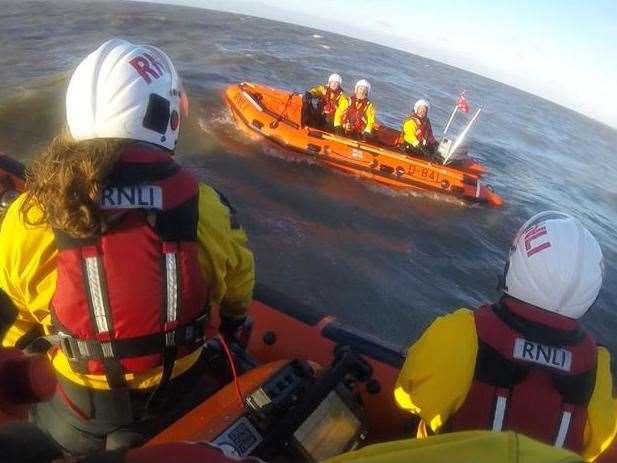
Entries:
{"x":275,"y":114}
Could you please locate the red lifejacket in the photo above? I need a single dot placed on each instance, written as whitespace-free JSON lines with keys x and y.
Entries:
{"x":534,"y":374}
{"x":133,"y":298}
{"x":330,"y":100}
{"x":354,"y":115}
{"x":424,"y":131}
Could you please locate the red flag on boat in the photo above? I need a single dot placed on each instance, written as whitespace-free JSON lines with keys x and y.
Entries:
{"x":462,"y":103}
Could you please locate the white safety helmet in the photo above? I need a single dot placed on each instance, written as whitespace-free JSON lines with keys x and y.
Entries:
{"x":363,"y":83}
{"x":419,"y":103}
{"x":335,"y":78}
{"x":122,"y":90}
{"x":555,"y":264}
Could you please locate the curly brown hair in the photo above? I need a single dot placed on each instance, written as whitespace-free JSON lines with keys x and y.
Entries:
{"x":65,"y":182}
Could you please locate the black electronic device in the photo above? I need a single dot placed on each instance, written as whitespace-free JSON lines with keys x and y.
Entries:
{"x":301,"y":413}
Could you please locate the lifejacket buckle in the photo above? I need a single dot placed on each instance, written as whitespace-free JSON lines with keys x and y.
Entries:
{"x":68,"y":346}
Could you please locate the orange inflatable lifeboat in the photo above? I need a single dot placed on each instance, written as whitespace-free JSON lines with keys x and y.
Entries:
{"x":276,"y":115}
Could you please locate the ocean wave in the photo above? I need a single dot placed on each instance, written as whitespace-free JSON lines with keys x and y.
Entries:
{"x":31,"y":116}
{"x":415,"y":195}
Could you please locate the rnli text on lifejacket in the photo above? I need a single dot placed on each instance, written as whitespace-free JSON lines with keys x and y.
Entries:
{"x":133,"y":197}
{"x":542,"y":354}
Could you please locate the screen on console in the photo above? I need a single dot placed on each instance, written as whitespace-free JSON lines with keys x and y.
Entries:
{"x":330,"y":430}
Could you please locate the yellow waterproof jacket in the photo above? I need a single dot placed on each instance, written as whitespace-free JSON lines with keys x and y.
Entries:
{"x":369,"y":116}
{"x":341,"y":103}
{"x":438,"y":374}
{"x":28,"y":276}
{"x":409,"y":132}
{"x":461,"y":447}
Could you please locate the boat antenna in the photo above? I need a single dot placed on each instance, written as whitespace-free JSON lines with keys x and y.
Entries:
{"x":449,"y":121}
{"x":457,"y":106}
{"x":461,"y":137}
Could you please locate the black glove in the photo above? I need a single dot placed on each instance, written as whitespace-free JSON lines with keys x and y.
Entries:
{"x":403,"y":148}
{"x":236,"y":331}
{"x":338,"y":130}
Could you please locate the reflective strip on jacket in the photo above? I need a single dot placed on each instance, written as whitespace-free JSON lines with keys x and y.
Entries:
{"x":439,"y":370}
{"x":28,"y":275}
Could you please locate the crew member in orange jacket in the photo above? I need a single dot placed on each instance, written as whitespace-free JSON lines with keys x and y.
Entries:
{"x":525,"y":363}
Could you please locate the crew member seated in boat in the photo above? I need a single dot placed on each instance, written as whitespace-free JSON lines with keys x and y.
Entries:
{"x":416,"y":132}
{"x":116,"y":252}
{"x":321,"y":102}
{"x":357,"y":120}
{"x":524,"y":363}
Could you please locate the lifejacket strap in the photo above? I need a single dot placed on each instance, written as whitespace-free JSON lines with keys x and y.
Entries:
{"x":355,"y":115}
{"x":171,"y":299}
{"x":78,"y":350}
{"x":501,"y":405}
{"x":169,"y":318}
{"x":564,"y":426}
